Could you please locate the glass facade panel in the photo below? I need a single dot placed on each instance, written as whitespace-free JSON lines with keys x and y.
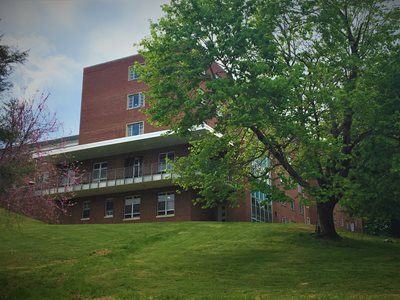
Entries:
{"x":261,"y":207}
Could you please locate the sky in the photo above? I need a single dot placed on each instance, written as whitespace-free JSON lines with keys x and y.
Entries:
{"x":63,"y":37}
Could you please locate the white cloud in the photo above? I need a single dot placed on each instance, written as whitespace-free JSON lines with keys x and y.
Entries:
{"x":44,"y":69}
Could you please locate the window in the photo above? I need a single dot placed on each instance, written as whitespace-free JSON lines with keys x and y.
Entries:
{"x":166,"y":161}
{"x":308,"y":221}
{"x":135,"y":100}
{"x":261,"y":207}
{"x":285,"y":220}
{"x":132,"y":75}
{"x":86,"y":210}
{"x":133,"y":167}
{"x":166,"y":204}
{"x":99,"y":171}
{"x":132,"y":207}
{"x":292,"y":205}
{"x":109,"y":208}
{"x":44,"y":178}
{"x":135,"y":129}
{"x":68,"y":177}
{"x":301,"y":209}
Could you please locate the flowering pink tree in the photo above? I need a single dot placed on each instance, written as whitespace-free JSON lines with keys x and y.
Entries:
{"x":29,"y":180}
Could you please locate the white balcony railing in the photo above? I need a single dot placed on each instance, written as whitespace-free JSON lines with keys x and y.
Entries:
{"x":140,"y":173}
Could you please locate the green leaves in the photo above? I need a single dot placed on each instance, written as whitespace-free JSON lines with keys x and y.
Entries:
{"x":302,"y":74}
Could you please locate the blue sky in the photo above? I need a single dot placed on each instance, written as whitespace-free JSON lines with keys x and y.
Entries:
{"x":63,"y":37}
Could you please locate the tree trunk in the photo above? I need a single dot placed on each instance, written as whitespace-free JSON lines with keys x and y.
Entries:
{"x":325,"y":224}
{"x":395,"y":228}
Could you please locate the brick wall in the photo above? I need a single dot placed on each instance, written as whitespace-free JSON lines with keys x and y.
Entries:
{"x":104,"y":112}
{"x":293,"y":213}
{"x":184,"y":210}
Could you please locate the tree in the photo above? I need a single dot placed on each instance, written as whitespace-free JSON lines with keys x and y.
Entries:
{"x":24,"y":126}
{"x":282,"y":79}
{"x":24,"y":172}
{"x":8,"y":57}
{"x":376,"y":174}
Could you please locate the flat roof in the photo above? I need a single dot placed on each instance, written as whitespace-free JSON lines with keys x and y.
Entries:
{"x":147,"y":141}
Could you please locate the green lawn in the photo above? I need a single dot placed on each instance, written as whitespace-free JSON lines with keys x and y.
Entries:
{"x":203,"y":260}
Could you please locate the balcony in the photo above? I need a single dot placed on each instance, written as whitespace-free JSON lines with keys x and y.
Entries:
{"x":137,"y":177}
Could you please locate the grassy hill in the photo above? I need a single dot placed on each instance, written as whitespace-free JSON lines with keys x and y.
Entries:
{"x":191,"y":260}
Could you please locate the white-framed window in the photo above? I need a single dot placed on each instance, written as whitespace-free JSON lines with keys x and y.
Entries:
{"x":285,"y":220}
{"x":68,"y":177}
{"x":86,"y":209}
{"x":292,"y":205}
{"x":135,"y":100}
{"x":134,"y":128}
{"x":308,"y":221}
{"x":109,"y":208}
{"x":166,"y":161}
{"x":44,"y":177}
{"x":99,"y":171}
{"x":132,"y":75}
{"x":166,"y":204}
{"x":301,"y":209}
{"x":132,"y":207}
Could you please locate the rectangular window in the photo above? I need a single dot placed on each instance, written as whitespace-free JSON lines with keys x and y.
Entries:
{"x":292,"y":206}
{"x":68,"y":177}
{"x":45,"y":177}
{"x":301,"y":209}
{"x":133,"y":167}
{"x":135,"y":100}
{"x":132,"y":75}
{"x":135,"y":129}
{"x":132,"y":207}
{"x":109,"y":208}
{"x":166,"y":161}
{"x":166,"y":204}
{"x":86,"y":210}
{"x":285,"y":220}
{"x":99,"y":171}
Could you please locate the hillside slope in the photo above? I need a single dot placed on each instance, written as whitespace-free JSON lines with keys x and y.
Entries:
{"x":191,"y":260}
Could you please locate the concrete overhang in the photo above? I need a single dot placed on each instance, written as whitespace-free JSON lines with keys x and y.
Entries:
{"x":153,"y":140}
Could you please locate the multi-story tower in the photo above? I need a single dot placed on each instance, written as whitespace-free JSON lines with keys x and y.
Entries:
{"x":128,"y":161}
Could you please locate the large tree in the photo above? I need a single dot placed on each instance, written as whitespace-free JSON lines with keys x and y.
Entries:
{"x":284,"y":79}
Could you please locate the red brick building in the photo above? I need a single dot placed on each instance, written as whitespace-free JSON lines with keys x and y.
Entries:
{"x":127,"y":162}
